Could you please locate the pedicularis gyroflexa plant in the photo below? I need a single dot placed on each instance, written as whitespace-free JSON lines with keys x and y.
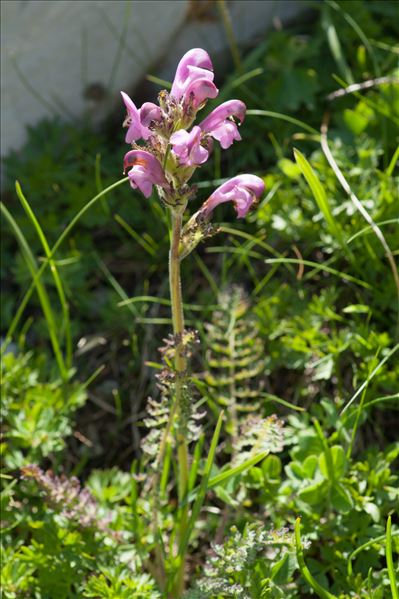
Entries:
{"x":174,"y":147}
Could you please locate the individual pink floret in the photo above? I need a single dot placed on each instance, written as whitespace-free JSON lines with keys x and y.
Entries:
{"x":145,"y":172}
{"x":137,"y":120}
{"x":194,"y":78}
{"x":187,"y":147}
{"x":220,"y":124}
{"x":244,"y":191}
{"x":149,"y":112}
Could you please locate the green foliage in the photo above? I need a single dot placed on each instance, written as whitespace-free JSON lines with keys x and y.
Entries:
{"x":118,"y":583}
{"x":37,"y":415}
{"x":61,"y":167}
{"x":70,"y":541}
{"x":239,"y":569}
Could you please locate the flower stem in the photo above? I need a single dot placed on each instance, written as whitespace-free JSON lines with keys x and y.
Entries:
{"x":180,"y":369}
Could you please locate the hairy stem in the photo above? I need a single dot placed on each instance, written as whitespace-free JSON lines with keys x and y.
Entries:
{"x":180,"y":368}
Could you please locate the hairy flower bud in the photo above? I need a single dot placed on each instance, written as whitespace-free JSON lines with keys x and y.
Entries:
{"x":195,"y":231}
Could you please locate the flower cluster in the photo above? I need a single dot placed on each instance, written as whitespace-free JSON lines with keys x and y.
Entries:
{"x":175,"y":147}
{"x":66,"y":496}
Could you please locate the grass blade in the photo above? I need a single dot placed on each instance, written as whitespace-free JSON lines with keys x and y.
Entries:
{"x":41,"y":291}
{"x":283,"y":117}
{"x":139,"y":238}
{"x":392,"y":164}
{"x":115,"y":285}
{"x":362,"y":36}
{"x":57,"y":279}
{"x":231,"y":38}
{"x":322,"y":593}
{"x":164,"y":302}
{"x":283,"y":402}
{"x":161,"y":82}
{"x":369,"y":228}
{"x":231,"y":472}
{"x":60,"y":240}
{"x":202,"y":488}
{"x":374,"y":541}
{"x":358,"y":205}
{"x":319,"y":195}
{"x":366,"y":382}
{"x":195,"y":462}
{"x":335,"y":44}
{"x":317,"y":266}
{"x":251,"y":238}
{"x":248,"y":75}
{"x":390,"y":566}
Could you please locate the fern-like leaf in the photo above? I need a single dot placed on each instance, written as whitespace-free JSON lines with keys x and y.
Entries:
{"x":229,"y":572}
{"x":235,"y":358}
{"x":257,"y":435}
{"x":160,"y":420}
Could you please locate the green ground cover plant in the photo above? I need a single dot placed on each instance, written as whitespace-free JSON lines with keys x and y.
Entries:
{"x":293,"y":487}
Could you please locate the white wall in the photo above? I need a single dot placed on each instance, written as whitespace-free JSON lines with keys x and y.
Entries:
{"x":52,"y":51}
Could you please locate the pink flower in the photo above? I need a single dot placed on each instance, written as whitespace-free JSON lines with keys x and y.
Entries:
{"x":194,"y":78}
{"x":244,"y":191}
{"x":149,"y":112}
{"x":187,"y":147}
{"x":220,"y":124}
{"x":146,"y":171}
{"x":137,"y":120}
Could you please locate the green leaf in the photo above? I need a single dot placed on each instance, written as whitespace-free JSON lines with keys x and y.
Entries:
{"x":226,"y":497}
{"x":324,"y":369}
{"x":373,"y":510}
{"x":319,"y":195}
{"x":230,"y":472}
{"x":314,"y":494}
{"x":338,"y":462}
{"x":356,"y":309}
{"x":357,"y":120}
{"x":271,"y":467}
{"x":309,"y":466}
{"x":289,"y":168}
{"x":282,"y":570}
{"x":341,"y":498}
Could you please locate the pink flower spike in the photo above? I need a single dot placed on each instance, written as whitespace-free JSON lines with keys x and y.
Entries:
{"x":220,"y":124}
{"x":244,"y":191}
{"x":187,"y":147}
{"x":146,"y":171}
{"x":194,"y":78}
{"x":132,"y":120}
